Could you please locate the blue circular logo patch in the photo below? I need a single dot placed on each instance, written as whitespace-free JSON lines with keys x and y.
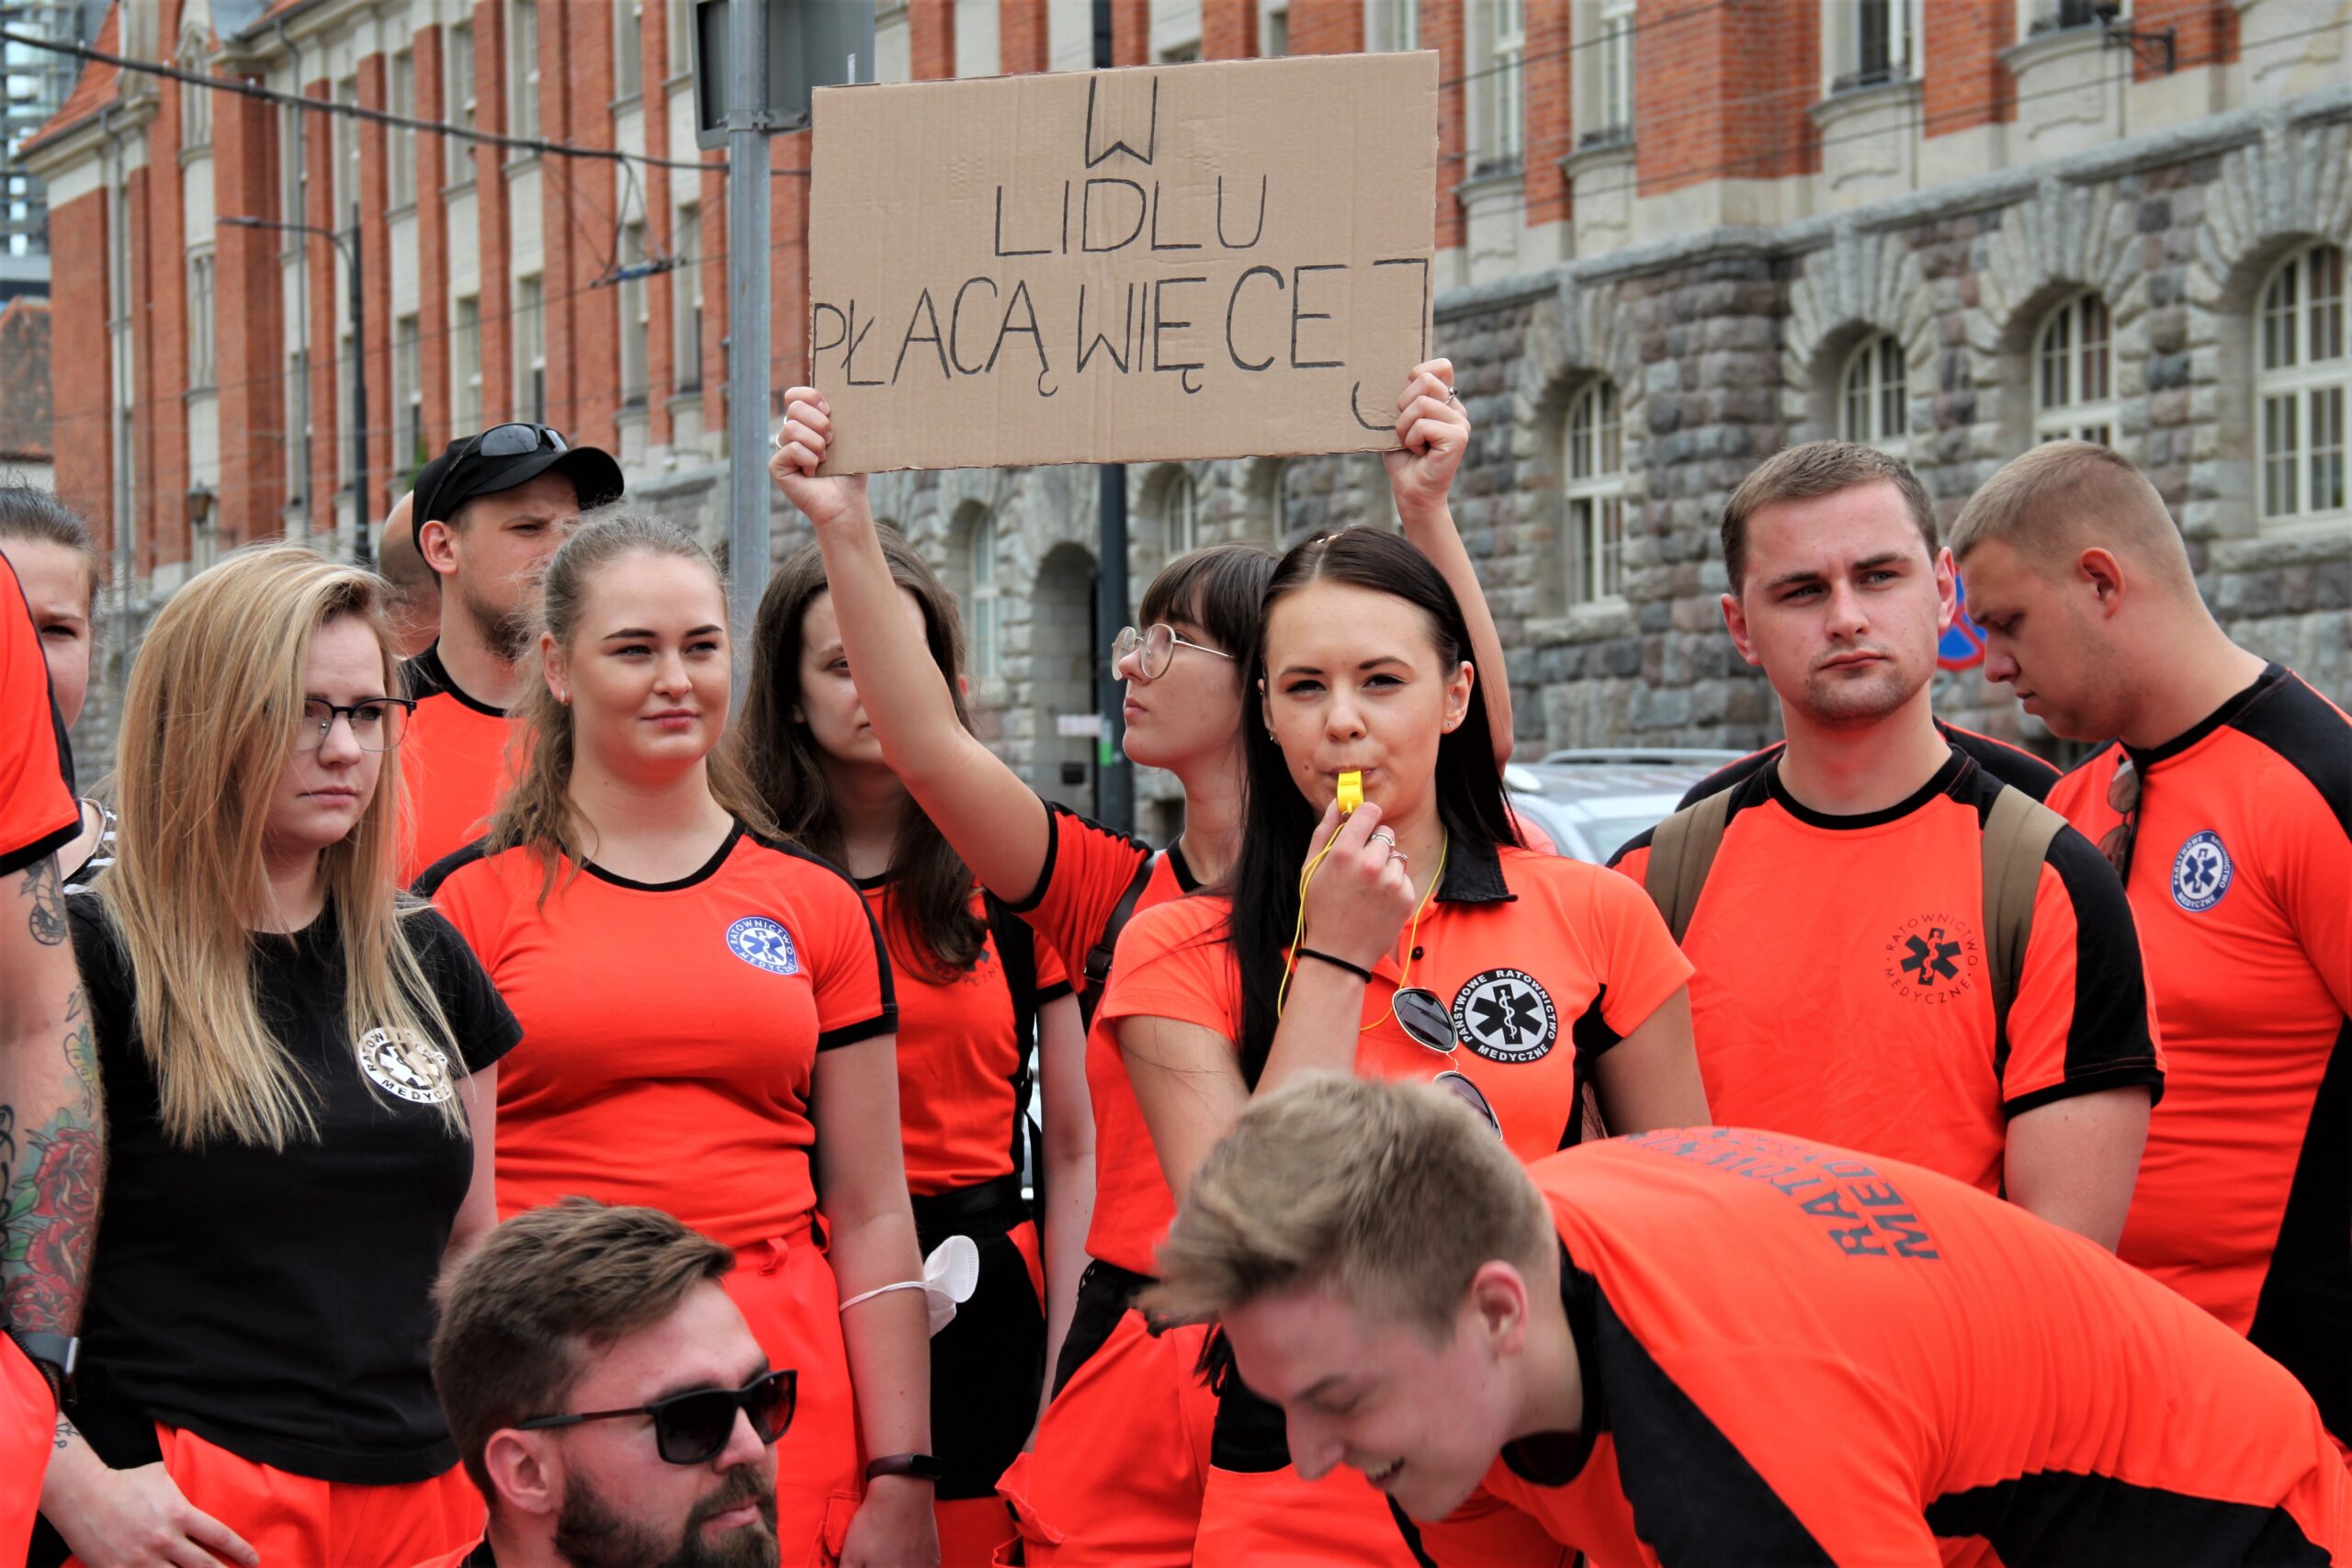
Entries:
{"x":2200,"y":873}
{"x":763,"y":945}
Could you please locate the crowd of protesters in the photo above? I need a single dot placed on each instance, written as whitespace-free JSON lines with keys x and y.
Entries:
{"x":470,"y":1095}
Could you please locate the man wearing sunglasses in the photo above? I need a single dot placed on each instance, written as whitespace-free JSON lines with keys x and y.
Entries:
{"x":489,"y":511}
{"x":607,"y":1397}
{"x":2225,"y":801}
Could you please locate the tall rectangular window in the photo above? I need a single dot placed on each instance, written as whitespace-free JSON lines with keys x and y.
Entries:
{"x":530,"y":349}
{"x":629,"y":48}
{"x":523,"y":68}
{"x":458,"y":87}
{"x":347,"y":435}
{"x":464,"y":366}
{"x":408,"y":398}
{"x":635,"y":326}
{"x":1881,"y":42}
{"x":195,"y":108}
{"x":679,"y":17}
{"x":685,"y":299}
{"x":296,"y":197}
{"x":1616,"y":72}
{"x":345,"y":187}
{"x":203,"y":368}
{"x":297,"y":443}
{"x":402,"y":144}
{"x":1502,"y":83}
{"x":1392,"y":25}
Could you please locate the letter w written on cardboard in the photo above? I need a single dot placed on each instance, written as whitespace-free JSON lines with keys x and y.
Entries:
{"x":1190,"y":261}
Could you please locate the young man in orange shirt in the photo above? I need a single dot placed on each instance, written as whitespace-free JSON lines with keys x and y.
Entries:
{"x":488,"y":512}
{"x":1846,"y":970}
{"x":1718,"y":1346}
{"x":2225,"y":800}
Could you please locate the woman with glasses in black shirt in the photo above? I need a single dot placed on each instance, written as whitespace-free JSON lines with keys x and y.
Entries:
{"x":299,"y":1073}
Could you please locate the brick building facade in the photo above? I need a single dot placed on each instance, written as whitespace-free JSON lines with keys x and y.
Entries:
{"x":1675,"y":235}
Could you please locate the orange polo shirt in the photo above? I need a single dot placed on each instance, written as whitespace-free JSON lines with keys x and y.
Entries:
{"x":2241,"y":879}
{"x":453,"y":764}
{"x":1793,"y":1353}
{"x":960,"y":1055}
{"x":1841,"y":989}
{"x":2013,"y":765}
{"x":1088,"y":871}
{"x":671,"y":1031}
{"x":38,"y":813}
{"x":1544,"y":962}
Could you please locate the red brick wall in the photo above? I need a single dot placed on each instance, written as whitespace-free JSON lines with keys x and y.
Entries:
{"x":428,"y":55}
{"x":2206,"y":33}
{"x":1228,"y":29}
{"x":1721,"y":92}
{"x":930,"y":38}
{"x":496,"y":245}
{"x":1441,"y":30}
{"x":375,"y":292}
{"x":1965,"y":84}
{"x":580,"y":224}
{"x":1130,"y":32}
{"x":1326,"y":26}
{"x":1551,"y":134}
{"x":249,"y":327}
{"x":1022,"y":43}
{"x":80,"y":406}
{"x":318,"y":259}
{"x":660,"y":345}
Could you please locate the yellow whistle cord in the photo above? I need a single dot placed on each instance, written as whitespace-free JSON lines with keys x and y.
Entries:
{"x":1412,"y":935}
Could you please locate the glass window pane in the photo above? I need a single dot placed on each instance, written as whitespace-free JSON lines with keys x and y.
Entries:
{"x":2279,"y":456}
{"x":2327,"y":449}
{"x":2278,"y":321}
{"x":1613,"y":545}
{"x":2327,"y":303}
{"x":1612,"y":434}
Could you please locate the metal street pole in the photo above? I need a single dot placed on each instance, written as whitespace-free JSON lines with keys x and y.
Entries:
{"x":1114,"y":779}
{"x":362,"y":512}
{"x":747,"y":324}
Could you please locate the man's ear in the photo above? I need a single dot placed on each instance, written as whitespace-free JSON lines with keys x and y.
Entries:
{"x":1498,"y":1303}
{"x":524,"y":1474}
{"x":435,"y":543}
{"x":1736,"y":623}
{"x":2103,"y":574}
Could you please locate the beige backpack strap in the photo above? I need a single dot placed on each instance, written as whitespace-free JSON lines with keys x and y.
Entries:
{"x":1682,"y":850}
{"x":2018,"y":832}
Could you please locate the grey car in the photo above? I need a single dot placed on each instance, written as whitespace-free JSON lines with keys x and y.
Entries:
{"x":1590,"y":802}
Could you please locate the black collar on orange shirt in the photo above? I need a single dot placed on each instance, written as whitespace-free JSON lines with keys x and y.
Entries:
{"x":1474,"y":874}
{"x":1555,"y":1459}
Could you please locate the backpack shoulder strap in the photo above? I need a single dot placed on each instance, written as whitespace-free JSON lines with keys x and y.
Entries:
{"x":1016,"y":949}
{"x":1682,"y":851}
{"x":1098,"y":958}
{"x":2018,"y":832}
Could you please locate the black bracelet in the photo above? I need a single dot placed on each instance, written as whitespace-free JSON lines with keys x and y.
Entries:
{"x":920,"y":1467}
{"x":1358,"y":970}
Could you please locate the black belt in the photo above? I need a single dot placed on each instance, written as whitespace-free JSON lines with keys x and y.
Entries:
{"x":991,"y":1209}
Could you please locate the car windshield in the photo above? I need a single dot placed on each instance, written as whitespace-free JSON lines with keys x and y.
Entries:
{"x":1607,"y":834}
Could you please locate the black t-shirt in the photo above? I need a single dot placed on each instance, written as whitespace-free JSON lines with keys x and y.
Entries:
{"x":278,"y":1303}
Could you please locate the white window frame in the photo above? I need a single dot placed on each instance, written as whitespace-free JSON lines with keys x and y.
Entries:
{"x":408,"y":396}
{"x":344,"y":143}
{"x":203,"y":317}
{"x":2074,"y":373}
{"x":1502,"y":83}
{"x":678,"y":22}
{"x":629,"y":50}
{"x":636,"y":320}
{"x":2303,"y":355}
{"x":1874,"y":396}
{"x":1615,"y":73}
{"x":292,"y":135}
{"x":530,"y":401}
{"x":1392,"y":27}
{"x":1273,"y":30}
{"x":465,"y":364}
{"x":458,"y":90}
{"x":1594,"y":470}
{"x":196,"y":106}
{"x":1901,"y":62}
{"x":523,"y":68}
{"x":685,"y":299}
{"x":988,"y":603}
{"x":1181,"y":515}
{"x":400,"y":81}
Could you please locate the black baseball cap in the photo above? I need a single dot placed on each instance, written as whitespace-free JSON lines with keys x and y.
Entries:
{"x":506,"y":455}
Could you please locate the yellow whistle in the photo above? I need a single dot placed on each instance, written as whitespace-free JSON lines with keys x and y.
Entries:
{"x":1351,"y":792}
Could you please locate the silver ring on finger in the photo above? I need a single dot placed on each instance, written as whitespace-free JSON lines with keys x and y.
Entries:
{"x":1399,"y":855}
{"x":1451,"y":396}
{"x":777,"y":440}
{"x":1385,"y":837}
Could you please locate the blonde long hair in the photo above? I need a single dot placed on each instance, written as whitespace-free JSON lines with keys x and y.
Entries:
{"x":536,"y":812}
{"x":209,"y":721}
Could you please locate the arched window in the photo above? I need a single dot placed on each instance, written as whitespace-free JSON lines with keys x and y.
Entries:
{"x":2300,"y":382}
{"x":2074,"y":381}
{"x":1872,"y":405}
{"x":1181,"y":514}
{"x":988,"y":606}
{"x":1596,"y":493}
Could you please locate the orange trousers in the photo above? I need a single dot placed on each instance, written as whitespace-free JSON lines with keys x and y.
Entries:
{"x":786,"y":1291}
{"x":28,"y":1423}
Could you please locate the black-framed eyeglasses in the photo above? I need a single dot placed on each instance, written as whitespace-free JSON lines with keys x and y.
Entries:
{"x":379,"y":724}
{"x":1422,"y":1015}
{"x":1159,"y":642}
{"x":515,"y":440}
{"x":2117,"y":842}
{"x":691,"y":1428}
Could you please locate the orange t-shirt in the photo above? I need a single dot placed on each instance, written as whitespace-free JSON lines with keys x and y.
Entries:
{"x":453,"y":764}
{"x":671,"y":1032}
{"x":2242,"y":883}
{"x":1795,"y":1354}
{"x":1842,"y":990}
{"x":1545,"y":961}
{"x":38,"y":814}
{"x":1088,"y":871}
{"x":2013,"y":765}
{"x":960,"y":1060}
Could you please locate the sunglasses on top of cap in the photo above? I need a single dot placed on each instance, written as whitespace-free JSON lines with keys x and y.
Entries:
{"x":515,"y":440}
{"x":694,"y":1426}
{"x":1422,"y":1015}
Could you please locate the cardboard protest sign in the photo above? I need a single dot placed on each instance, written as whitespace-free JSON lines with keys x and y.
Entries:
{"x":1175,"y":261}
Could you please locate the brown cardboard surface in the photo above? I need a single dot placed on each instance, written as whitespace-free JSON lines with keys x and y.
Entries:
{"x":1217,"y":260}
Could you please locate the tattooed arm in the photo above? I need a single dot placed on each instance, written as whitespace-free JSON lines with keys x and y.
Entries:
{"x":53,"y":1135}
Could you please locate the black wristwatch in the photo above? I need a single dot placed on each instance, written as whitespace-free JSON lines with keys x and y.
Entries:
{"x":54,"y":1355}
{"x":923,"y":1467}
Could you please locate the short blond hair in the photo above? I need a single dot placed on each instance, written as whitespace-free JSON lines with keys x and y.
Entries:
{"x":1392,"y":1195}
{"x":2064,"y":496}
{"x":1807,"y":473}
